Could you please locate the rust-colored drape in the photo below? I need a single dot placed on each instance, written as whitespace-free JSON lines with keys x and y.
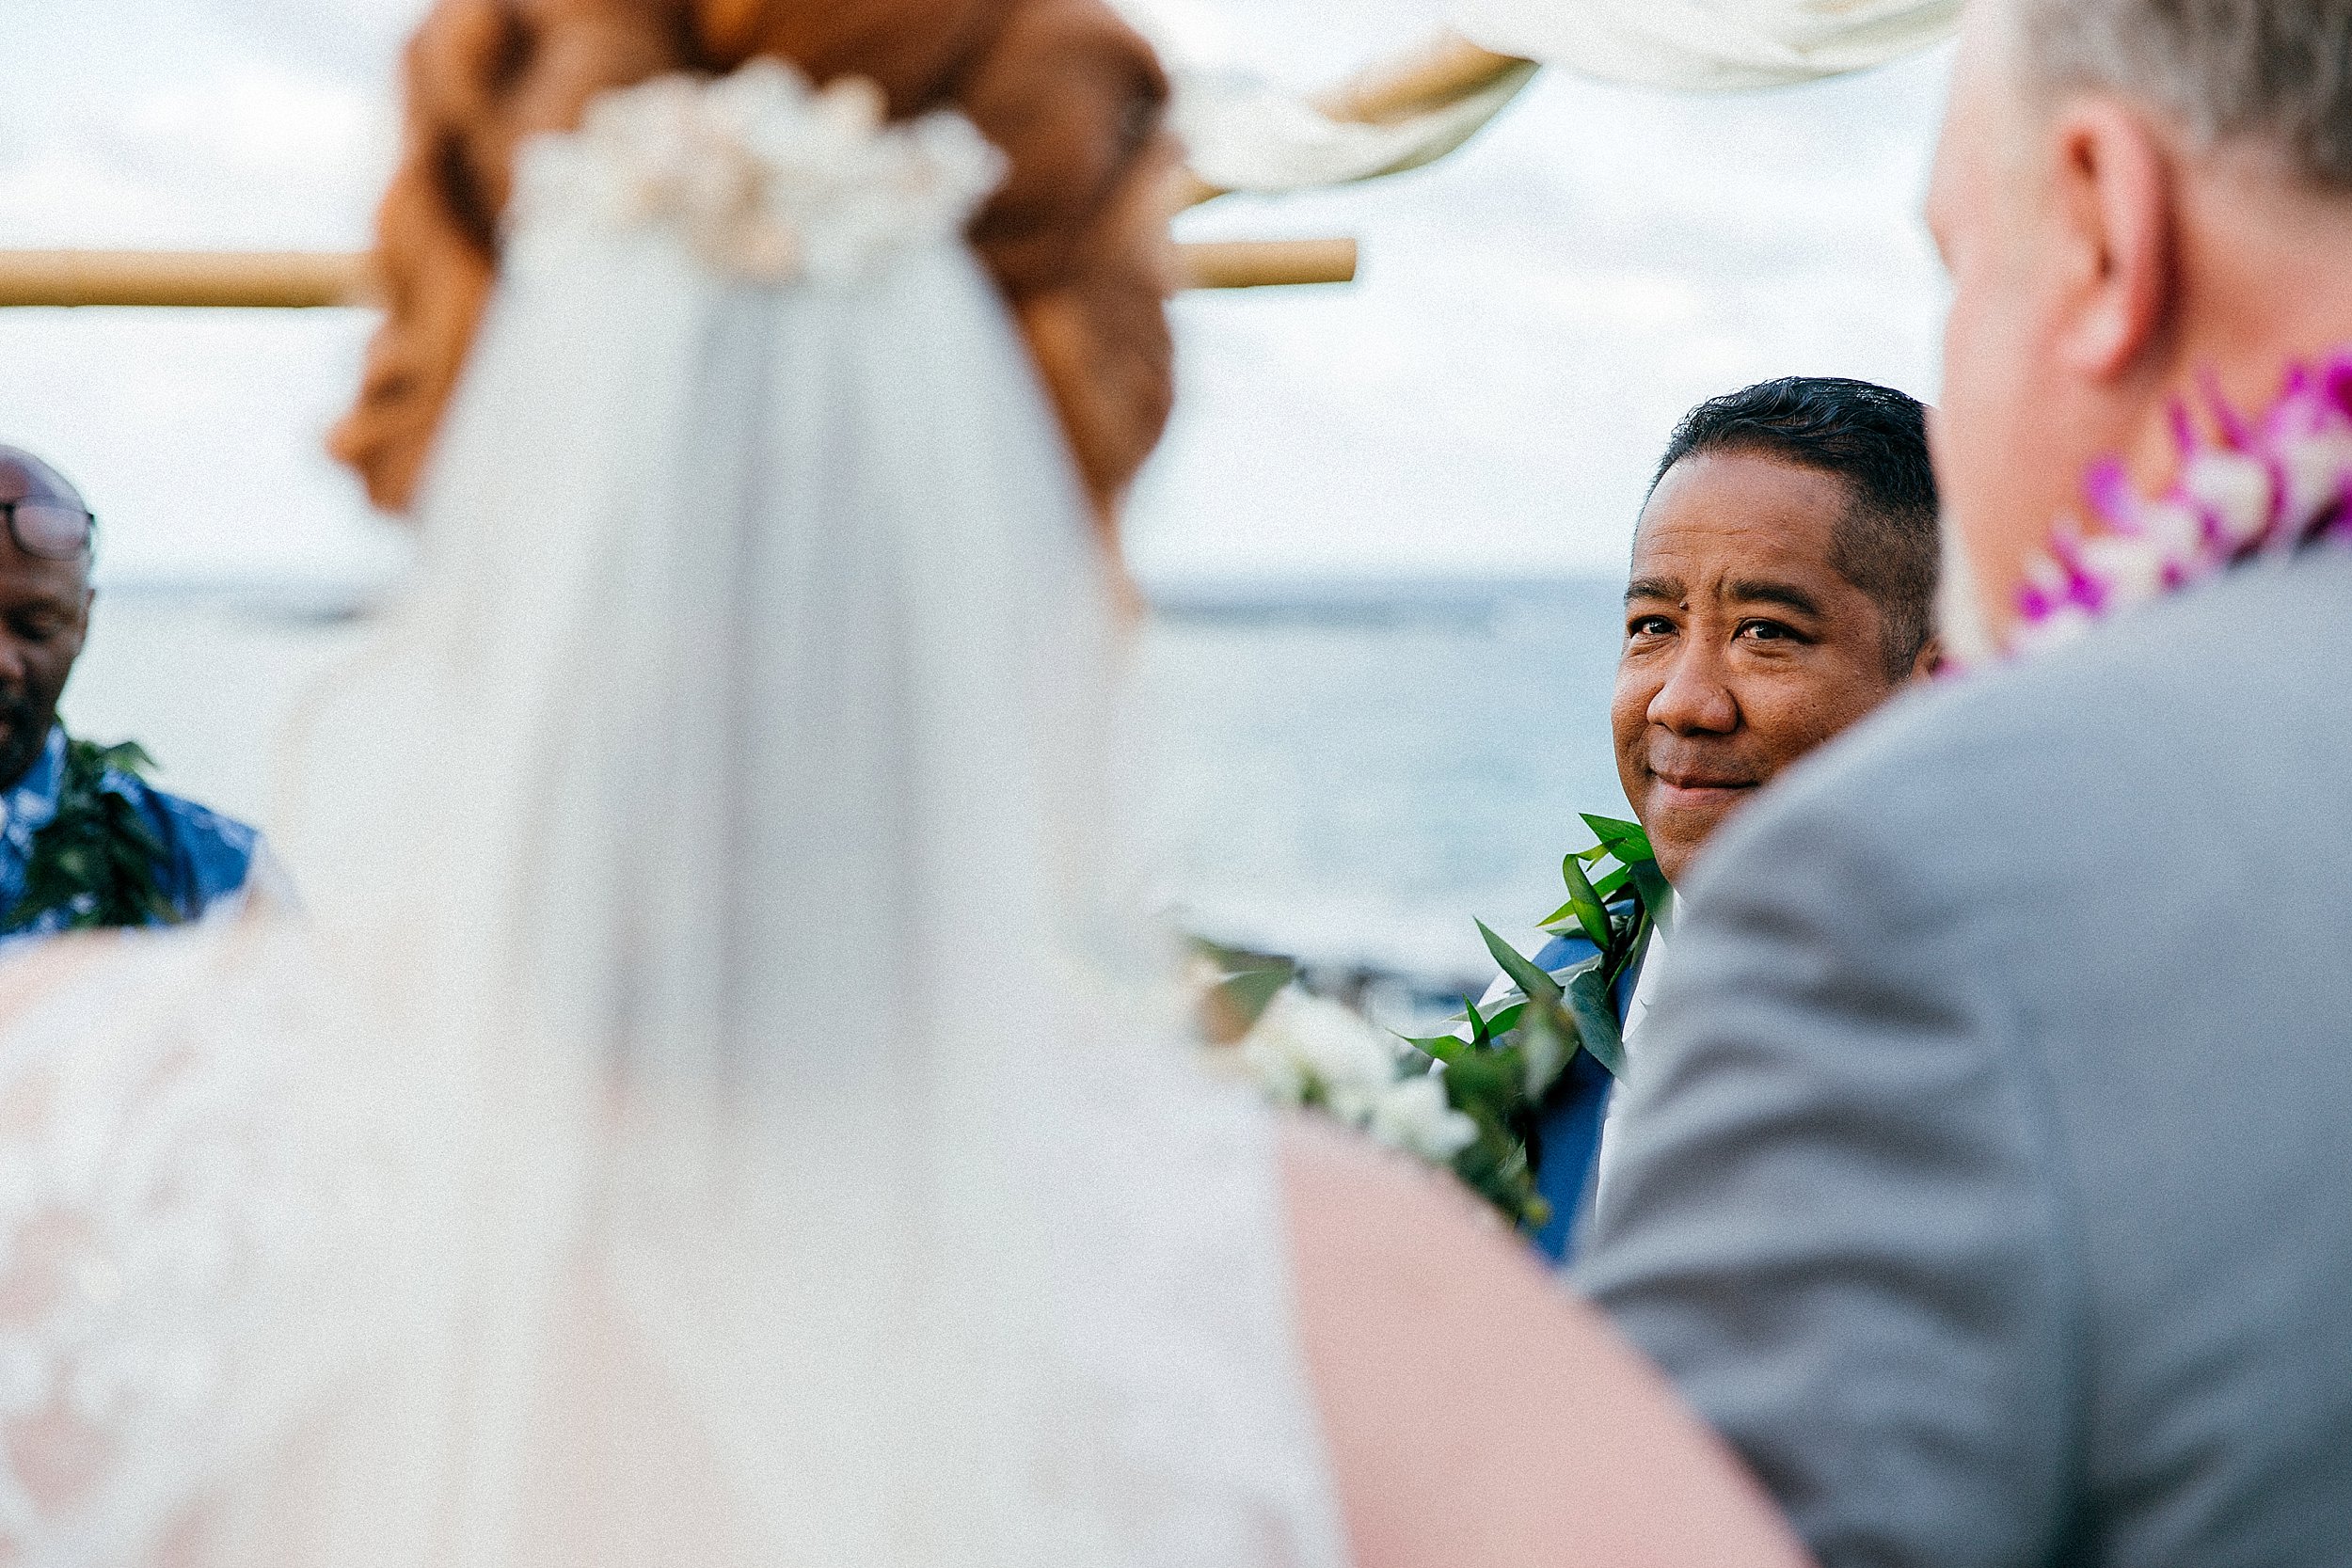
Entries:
{"x":1076,"y":238}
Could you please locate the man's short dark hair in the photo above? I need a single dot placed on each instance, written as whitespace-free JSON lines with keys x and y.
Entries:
{"x":1875,"y":439}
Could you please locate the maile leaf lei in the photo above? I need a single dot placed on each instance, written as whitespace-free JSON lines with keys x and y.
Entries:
{"x":97,"y":858}
{"x":1501,"y":1065}
{"x":1497,"y":1067}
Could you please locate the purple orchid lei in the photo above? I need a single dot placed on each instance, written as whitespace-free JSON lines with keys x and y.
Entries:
{"x":2268,"y":488}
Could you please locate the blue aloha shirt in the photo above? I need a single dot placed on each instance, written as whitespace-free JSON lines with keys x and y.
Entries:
{"x":1569,"y":1120}
{"x":207,"y":856}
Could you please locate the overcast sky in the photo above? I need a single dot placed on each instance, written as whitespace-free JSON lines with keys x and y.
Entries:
{"x":1533,"y":317}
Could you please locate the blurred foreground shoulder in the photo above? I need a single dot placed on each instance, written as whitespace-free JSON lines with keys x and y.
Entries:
{"x":1477,"y":1412}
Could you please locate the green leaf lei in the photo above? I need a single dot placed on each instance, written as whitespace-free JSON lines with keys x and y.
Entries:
{"x":1500,"y":1071}
{"x":96,"y":859}
{"x":1498,"y":1067}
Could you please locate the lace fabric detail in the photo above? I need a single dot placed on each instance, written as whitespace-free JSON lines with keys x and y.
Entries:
{"x":204,"y":1232}
{"x":763,"y":179}
{"x":176,"y":1166}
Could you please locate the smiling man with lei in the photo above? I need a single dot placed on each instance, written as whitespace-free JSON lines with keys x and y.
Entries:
{"x":1983,"y":1181}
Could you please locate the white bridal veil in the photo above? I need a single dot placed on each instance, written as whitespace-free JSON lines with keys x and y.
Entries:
{"x":707,"y":1116}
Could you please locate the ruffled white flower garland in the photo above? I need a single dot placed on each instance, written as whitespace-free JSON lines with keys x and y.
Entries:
{"x":765,"y":179}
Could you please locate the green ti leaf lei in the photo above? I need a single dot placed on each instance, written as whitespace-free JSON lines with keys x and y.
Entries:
{"x":1500,"y":1068}
{"x":97,"y":857}
{"x":1497,"y":1067}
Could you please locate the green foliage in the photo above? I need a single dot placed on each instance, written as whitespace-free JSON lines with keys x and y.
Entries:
{"x":1500,"y":1066}
{"x":97,"y":858}
{"x":1585,"y":905}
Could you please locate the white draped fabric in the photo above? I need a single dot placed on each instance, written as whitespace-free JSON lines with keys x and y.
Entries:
{"x":1708,"y":45}
{"x":1246,"y":134}
{"x":705,"y":1118}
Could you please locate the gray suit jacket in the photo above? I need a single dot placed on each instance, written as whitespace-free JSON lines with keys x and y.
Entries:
{"x":1987,"y":1173}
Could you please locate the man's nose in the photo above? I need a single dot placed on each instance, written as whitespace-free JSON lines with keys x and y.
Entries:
{"x":1696,"y":699}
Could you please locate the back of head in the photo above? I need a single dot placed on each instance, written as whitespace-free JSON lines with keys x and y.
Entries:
{"x":1075,"y":236}
{"x":2201,"y":151}
{"x":747,"y":510}
{"x":1875,"y":440}
{"x":728,"y":771}
{"x":2272,"y":70}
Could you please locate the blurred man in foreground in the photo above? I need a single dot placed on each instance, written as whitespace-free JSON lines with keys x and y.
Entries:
{"x":1984,"y":1178}
{"x":1783,"y":583}
{"x":83,"y":841}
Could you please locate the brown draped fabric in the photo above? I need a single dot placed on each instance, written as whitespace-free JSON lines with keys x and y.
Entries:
{"x":1076,"y":238}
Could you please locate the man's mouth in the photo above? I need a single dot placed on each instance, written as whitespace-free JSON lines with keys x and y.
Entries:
{"x":1700,"y":788}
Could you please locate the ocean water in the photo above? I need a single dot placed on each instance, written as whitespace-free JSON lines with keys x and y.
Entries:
{"x":1349,"y":778}
{"x":1352,"y":784}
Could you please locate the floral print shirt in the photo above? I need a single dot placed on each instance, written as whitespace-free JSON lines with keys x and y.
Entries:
{"x":207,"y":857}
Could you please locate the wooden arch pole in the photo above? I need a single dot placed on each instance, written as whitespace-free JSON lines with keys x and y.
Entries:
{"x":268,"y":278}
{"x":291,"y":279}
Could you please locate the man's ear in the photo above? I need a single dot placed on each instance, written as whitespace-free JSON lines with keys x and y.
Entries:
{"x":2115,"y":210}
{"x":1930,"y":660}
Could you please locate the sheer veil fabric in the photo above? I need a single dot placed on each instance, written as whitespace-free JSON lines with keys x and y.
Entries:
{"x":709,"y":1114}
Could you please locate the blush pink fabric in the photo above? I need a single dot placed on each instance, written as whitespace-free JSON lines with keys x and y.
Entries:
{"x":1478,"y":1414}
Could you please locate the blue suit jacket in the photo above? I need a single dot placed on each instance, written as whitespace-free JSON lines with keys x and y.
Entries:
{"x":1567,"y":1129}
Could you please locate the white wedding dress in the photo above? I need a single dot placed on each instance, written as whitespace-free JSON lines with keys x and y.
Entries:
{"x":709,"y":1114}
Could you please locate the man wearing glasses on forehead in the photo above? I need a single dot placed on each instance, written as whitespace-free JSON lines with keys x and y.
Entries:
{"x":83,"y":841}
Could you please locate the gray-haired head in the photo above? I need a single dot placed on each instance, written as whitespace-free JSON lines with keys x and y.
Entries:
{"x":2272,"y":70}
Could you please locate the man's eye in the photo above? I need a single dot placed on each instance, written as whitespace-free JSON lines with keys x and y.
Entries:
{"x":1768,"y":631}
{"x":1648,"y":626}
{"x":34,"y":631}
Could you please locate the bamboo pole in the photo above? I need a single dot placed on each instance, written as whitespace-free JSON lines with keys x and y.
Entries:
{"x":1265,"y":263}
{"x":1445,"y":71}
{"x":292,"y":280}
{"x":269,"y":278}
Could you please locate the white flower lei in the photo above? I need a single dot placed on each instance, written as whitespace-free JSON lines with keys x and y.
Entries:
{"x":1308,"y":1051}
